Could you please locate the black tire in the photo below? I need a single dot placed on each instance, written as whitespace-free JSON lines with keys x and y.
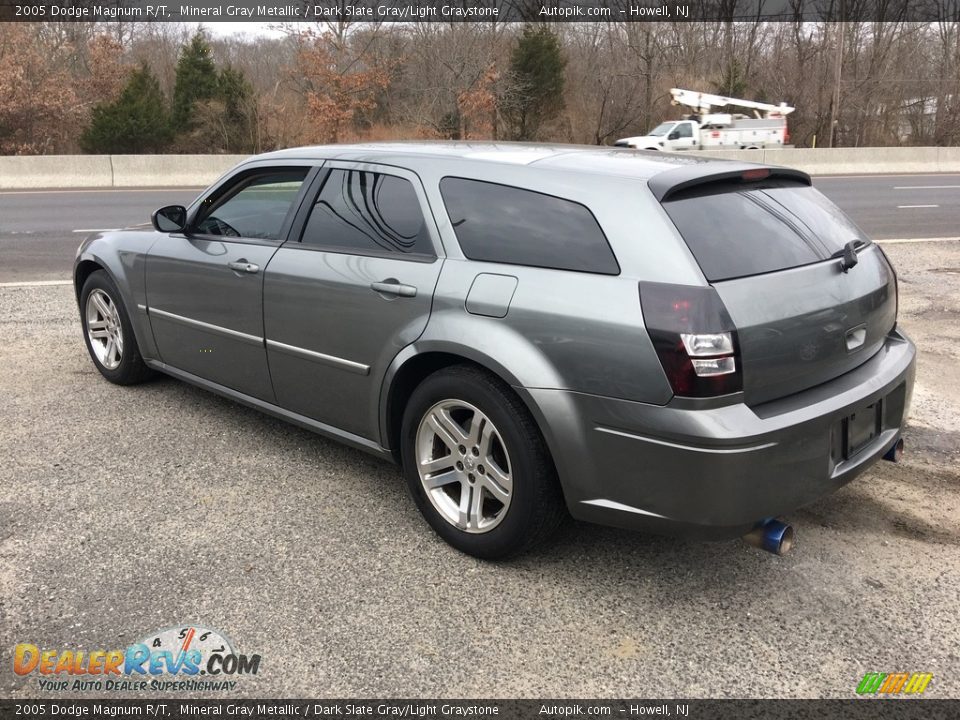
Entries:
{"x":132,"y":369}
{"x":536,"y":506}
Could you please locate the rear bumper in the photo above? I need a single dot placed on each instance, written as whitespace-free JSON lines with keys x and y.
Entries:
{"x":717,"y":472}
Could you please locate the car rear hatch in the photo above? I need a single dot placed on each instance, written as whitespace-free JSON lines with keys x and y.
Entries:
{"x":773,"y":248}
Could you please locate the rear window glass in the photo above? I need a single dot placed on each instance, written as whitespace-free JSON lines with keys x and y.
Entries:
{"x":502,"y":224}
{"x":826,"y":221}
{"x":748,"y":232}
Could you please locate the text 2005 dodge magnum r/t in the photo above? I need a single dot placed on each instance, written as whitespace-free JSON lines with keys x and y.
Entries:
{"x":647,"y":341}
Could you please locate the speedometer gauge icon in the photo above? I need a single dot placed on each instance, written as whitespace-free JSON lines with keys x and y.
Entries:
{"x":184,"y":638}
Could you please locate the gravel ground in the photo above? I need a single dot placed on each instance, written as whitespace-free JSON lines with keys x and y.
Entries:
{"x":127,"y":510}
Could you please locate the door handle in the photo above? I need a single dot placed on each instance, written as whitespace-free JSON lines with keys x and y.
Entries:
{"x":394,"y":287}
{"x":243,"y":266}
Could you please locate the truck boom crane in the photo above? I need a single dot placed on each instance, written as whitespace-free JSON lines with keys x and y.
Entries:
{"x":707,"y":129}
{"x":704,"y":103}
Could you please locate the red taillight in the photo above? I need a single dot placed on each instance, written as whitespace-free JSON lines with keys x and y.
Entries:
{"x":694,"y":338}
{"x":786,"y":133}
{"x":896,"y":285}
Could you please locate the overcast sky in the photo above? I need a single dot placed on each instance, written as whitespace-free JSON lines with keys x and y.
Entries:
{"x":219,"y":29}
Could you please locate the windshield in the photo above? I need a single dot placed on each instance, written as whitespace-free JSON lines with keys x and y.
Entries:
{"x":662,"y":129}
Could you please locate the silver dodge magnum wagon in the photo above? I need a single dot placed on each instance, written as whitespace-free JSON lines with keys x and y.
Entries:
{"x":636,"y":339}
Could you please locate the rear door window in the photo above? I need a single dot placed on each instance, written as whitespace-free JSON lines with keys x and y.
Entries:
{"x":737,"y":233}
{"x":368,"y":213}
{"x":504,"y":224}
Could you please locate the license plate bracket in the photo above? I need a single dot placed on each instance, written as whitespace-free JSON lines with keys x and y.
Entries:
{"x":861,"y":427}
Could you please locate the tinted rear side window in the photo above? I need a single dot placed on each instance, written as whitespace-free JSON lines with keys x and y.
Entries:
{"x":368,"y":213}
{"x":503,"y":224}
{"x":739,"y":233}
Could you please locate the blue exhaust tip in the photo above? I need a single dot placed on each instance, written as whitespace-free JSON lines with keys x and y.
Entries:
{"x":773,"y":536}
{"x":895,"y":453}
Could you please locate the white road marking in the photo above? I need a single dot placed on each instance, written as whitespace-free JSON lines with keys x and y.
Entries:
{"x":93,"y":230}
{"x":35,"y":283}
{"x":905,"y":207}
{"x":925,"y":187}
{"x":884,"y":175}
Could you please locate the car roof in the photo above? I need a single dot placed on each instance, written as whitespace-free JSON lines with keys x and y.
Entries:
{"x":640,"y":164}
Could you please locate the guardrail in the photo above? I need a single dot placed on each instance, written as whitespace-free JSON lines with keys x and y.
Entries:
{"x":25,"y":172}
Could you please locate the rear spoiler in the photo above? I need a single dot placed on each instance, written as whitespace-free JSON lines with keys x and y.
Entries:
{"x":671,"y":182}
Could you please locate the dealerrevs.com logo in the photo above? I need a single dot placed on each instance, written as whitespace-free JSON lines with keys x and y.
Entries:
{"x":182,"y":658}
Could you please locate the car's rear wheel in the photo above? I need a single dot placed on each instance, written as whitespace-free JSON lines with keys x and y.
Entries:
{"x":108,"y":332}
{"x":477,"y":466}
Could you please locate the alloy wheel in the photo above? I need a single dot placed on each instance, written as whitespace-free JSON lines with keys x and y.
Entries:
{"x":464,"y":466}
{"x":104,"y":329}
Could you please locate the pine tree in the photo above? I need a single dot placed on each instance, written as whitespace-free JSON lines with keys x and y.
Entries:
{"x":239,"y":111}
{"x":196,"y":81}
{"x":536,"y":67}
{"x":136,"y":122}
{"x":213,"y":111}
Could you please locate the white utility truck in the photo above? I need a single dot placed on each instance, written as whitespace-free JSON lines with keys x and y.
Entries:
{"x":709,"y":130}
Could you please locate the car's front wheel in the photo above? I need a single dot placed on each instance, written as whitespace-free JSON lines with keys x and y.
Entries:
{"x":108,"y":332}
{"x":477,"y":465}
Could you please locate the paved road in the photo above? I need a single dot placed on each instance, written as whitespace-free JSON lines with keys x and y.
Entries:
{"x":899,"y":206}
{"x":38,"y":235}
{"x":39,"y":229}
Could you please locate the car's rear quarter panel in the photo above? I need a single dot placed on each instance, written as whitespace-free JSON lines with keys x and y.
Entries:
{"x":564,"y":329}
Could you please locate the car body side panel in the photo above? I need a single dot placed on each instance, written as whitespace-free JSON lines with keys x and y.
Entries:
{"x":207,"y":318}
{"x":330,"y":333}
{"x":330,"y":337}
{"x":205,"y":291}
{"x":122,"y":254}
{"x":565,"y":330}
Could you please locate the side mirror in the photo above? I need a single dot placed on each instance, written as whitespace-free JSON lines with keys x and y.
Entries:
{"x":170,"y":219}
{"x":675,"y":135}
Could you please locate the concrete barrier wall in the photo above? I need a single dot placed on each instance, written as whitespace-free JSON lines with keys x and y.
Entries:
{"x":26,"y":172}
{"x":170,"y":170}
{"x":853,"y":161}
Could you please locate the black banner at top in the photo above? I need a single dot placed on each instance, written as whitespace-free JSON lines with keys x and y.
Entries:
{"x":407,"y":11}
